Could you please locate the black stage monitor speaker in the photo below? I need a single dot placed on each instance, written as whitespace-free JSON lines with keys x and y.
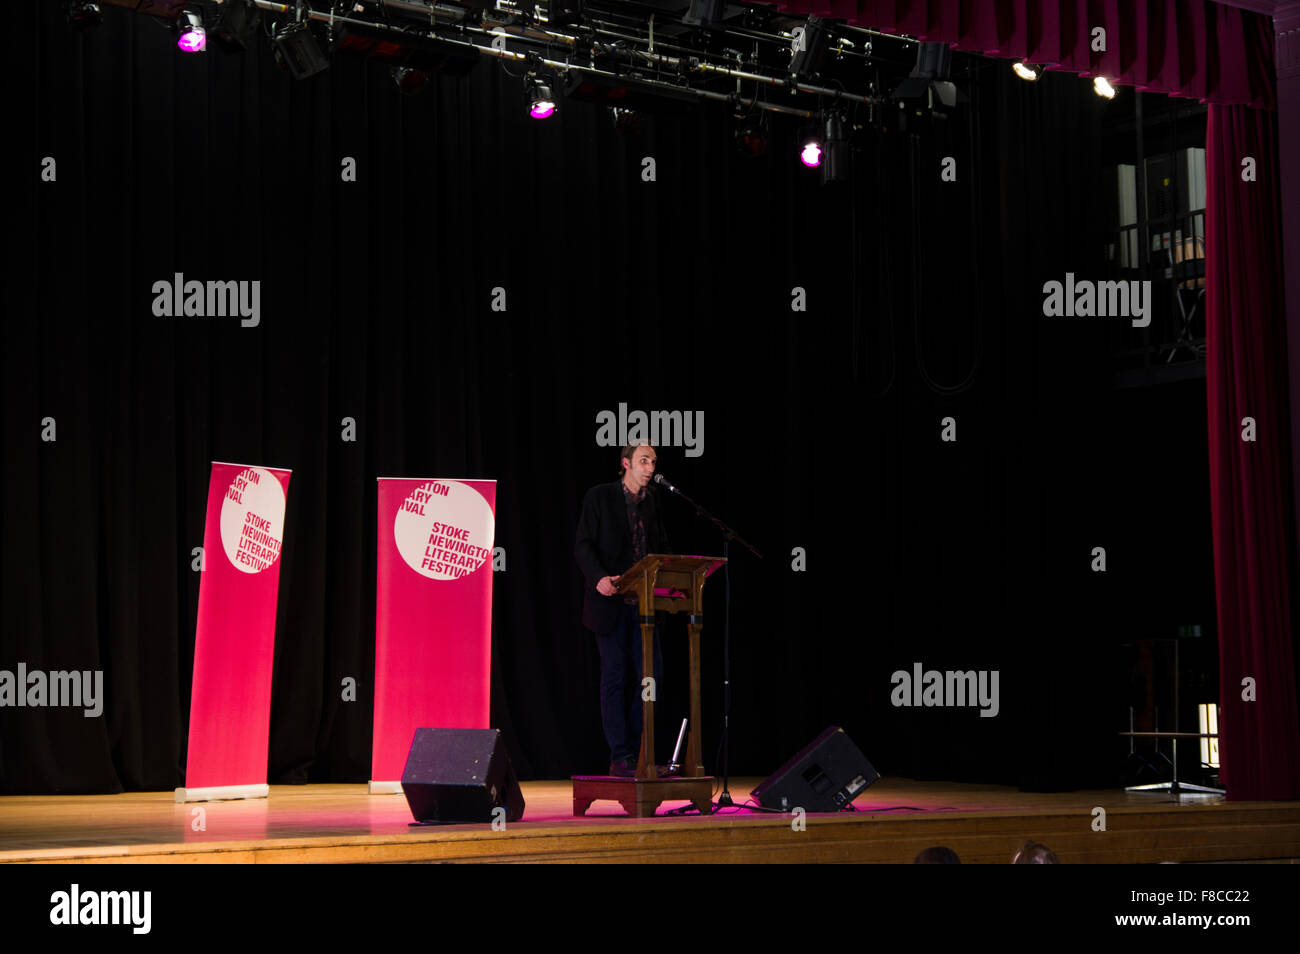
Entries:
{"x":825,"y":776}
{"x":458,"y":776}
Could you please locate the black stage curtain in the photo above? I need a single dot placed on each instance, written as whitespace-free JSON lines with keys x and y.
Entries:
{"x":823,"y":427}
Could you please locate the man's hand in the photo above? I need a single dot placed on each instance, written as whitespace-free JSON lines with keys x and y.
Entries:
{"x":606,"y":586}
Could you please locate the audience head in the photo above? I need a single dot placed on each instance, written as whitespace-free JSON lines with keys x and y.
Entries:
{"x":937,"y":855}
{"x":1032,"y":853}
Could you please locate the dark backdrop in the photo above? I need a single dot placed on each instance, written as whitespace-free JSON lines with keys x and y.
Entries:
{"x":822,"y":429}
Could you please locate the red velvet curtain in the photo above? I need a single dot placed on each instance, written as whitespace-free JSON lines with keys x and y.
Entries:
{"x":1249,"y":479}
{"x":1192,"y":48}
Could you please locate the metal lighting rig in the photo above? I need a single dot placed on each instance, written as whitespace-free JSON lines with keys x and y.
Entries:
{"x":645,"y":55}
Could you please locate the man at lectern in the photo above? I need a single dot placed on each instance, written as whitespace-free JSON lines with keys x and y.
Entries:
{"x":620,"y":524}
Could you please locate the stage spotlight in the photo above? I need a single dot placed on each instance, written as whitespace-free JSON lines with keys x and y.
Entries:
{"x":82,"y":16}
{"x":835,"y":151}
{"x":297,"y":51}
{"x":409,"y":81}
{"x":237,"y":21}
{"x":541,"y":104}
{"x":190,"y":35}
{"x":1027,"y":71}
{"x":933,"y":61}
{"x":810,"y":150}
{"x":1101,"y":86}
{"x":810,"y":50}
{"x":751,"y":135}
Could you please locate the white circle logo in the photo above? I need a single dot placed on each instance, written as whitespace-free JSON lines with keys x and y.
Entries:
{"x":444,"y":530}
{"x":252,"y":520}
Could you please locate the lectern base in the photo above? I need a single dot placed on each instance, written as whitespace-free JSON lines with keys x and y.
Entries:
{"x":640,"y":797}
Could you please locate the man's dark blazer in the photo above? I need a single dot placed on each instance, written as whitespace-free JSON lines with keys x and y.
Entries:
{"x":604,"y":547}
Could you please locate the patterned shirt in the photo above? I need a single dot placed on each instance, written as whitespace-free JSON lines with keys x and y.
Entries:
{"x":634,"y":520}
{"x":637,"y":525}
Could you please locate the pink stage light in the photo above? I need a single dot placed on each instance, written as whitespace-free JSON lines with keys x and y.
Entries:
{"x":542,"y":109}
{"x":811,"y":155}
{"x":193,"y":40}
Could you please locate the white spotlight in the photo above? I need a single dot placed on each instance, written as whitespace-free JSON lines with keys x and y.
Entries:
{"x":1027,"y":72}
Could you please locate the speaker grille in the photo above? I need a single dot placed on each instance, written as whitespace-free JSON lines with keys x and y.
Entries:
{"x":460,"y":776}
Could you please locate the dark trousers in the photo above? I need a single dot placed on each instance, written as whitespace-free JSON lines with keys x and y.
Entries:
{"x":620,"y":684}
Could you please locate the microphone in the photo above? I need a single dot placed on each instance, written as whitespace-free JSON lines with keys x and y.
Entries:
{"x":664,"y":482}
{"x":675,"y":765}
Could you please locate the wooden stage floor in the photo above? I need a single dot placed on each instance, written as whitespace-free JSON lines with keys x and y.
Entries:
{"x":894,"y":820}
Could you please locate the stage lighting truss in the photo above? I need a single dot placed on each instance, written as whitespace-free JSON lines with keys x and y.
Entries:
{"x":644,"y":55}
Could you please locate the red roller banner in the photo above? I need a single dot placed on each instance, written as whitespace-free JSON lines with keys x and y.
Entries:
{"x":234,"y":641}
{"x":433,"y":614}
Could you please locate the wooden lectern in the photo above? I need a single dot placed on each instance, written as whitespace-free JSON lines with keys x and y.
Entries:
{"x":676,"y":584}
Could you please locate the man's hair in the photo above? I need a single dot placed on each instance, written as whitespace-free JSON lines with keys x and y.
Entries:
{"x":938,"y":855}
{"x":1032,"y":853}
{"x":626,"y":454}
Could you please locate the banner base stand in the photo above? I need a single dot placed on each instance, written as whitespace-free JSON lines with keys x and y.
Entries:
{"x":218,"y":792}
{"x":385,"y":788}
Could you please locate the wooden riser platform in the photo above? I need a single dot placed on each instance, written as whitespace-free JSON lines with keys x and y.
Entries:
{"x":342,"y":823}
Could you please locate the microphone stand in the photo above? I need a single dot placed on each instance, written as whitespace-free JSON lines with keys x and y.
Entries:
{"x":724,"y":799}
